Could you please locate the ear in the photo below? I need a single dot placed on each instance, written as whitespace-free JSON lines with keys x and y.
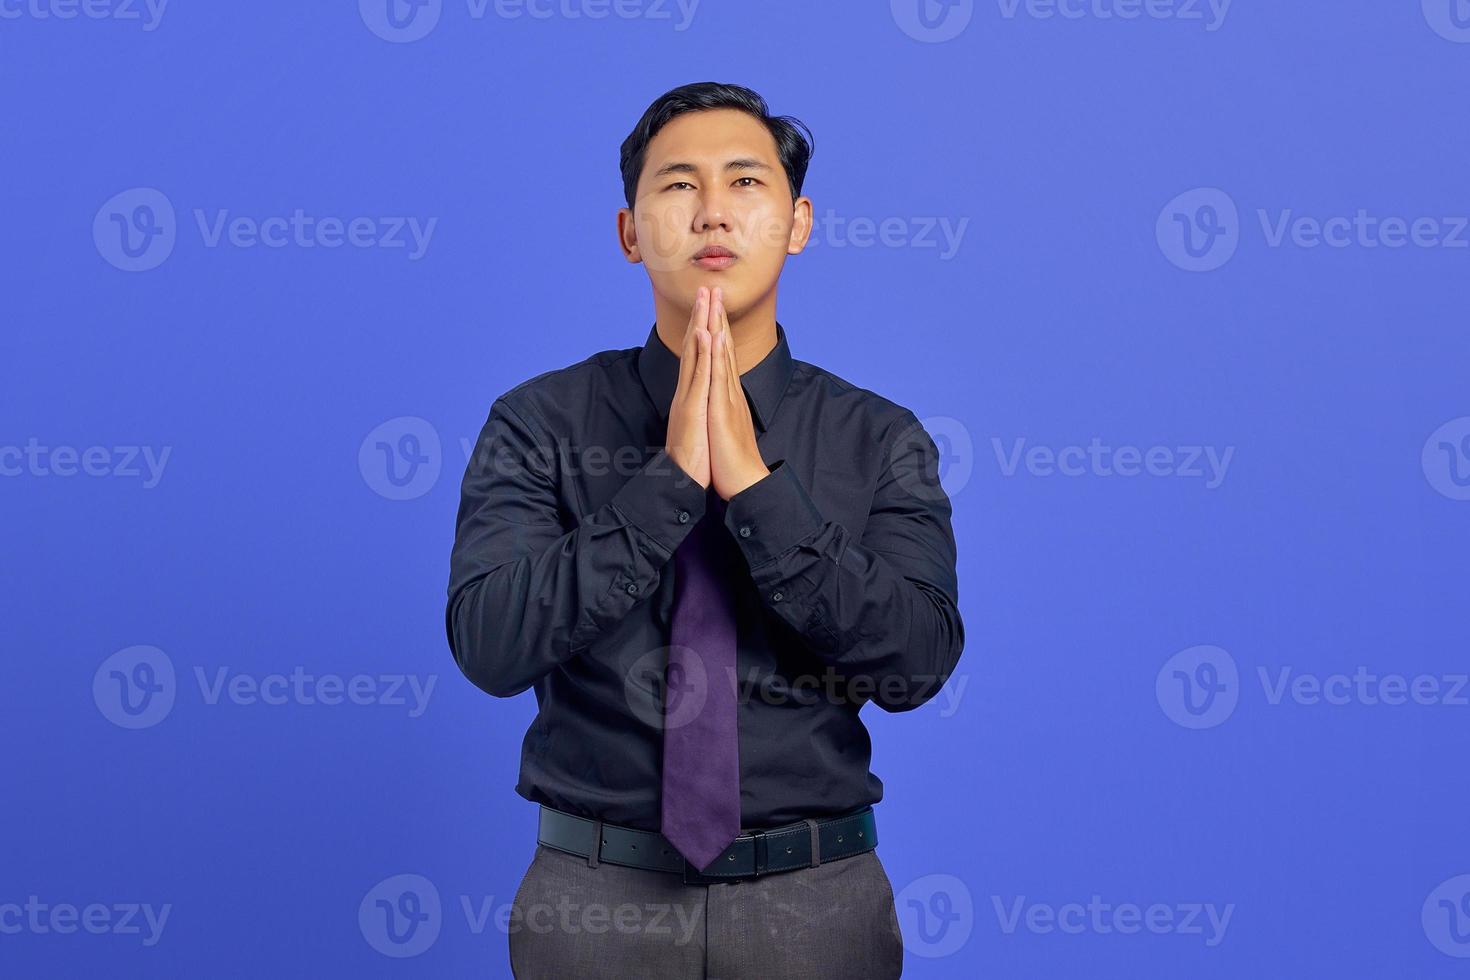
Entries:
{"x":628,"y":236}
{"x":801,"y":225}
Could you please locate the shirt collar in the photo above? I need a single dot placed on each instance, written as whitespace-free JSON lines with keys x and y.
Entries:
{"x":764,"y":384}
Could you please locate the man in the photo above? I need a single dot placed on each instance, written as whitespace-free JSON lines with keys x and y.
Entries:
{"x":705,"y":556}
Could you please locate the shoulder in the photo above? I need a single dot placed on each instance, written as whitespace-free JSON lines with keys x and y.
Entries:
{"x":883,"y":419}
{"x":540,"y":396}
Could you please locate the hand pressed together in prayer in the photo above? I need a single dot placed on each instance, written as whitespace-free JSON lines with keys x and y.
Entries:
{"x":711,"y":433}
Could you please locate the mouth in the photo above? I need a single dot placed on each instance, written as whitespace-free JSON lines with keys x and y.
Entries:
{"x":714,"y":257}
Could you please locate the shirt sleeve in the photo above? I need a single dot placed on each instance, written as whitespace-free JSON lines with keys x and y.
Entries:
{"x":884,"y":606}
{"x":525,"y":592}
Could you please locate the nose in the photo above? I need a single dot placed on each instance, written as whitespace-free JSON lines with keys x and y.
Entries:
{"x":712,"y":212}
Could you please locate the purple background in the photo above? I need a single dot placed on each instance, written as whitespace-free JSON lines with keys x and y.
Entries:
{"x":1052,"y":768}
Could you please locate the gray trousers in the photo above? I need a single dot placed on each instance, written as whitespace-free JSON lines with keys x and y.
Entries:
{"x":570,"y":920}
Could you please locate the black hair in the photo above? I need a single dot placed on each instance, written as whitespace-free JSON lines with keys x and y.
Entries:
{"x":793,"y":138}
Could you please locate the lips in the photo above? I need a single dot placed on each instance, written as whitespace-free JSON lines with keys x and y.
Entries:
{"x":714,"y":258}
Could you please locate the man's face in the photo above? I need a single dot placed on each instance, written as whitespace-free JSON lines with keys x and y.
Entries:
{"x":713,"y":178}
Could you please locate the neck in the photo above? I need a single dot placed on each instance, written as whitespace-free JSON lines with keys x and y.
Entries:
{"x":753,"y":331}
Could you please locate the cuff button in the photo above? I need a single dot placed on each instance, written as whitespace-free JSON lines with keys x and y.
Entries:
{"x":777,"y":596}
{"x":683,"y":517}
{"x":745,"y":530}
{"x":632,"y":588}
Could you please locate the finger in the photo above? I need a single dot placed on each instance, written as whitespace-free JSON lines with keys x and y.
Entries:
{"x":699,"y":316}
{"x":689,"y":357}
{"x":717,"y":362}
{"x":702,"y":365}
{"x":732,"y":371}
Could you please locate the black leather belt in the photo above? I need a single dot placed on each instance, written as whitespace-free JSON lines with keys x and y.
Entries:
{"x":804,"y":844}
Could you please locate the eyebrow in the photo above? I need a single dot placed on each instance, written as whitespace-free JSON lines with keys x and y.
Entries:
{"x":680,"y":167}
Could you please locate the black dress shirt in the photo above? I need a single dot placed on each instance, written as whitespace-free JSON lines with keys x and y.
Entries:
{"x":561,"y":579}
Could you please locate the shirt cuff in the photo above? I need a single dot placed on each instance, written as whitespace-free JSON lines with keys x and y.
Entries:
{"x":772,"y":515}
{"x":662,"y":501}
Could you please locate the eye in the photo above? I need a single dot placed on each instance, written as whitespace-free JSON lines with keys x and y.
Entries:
{"x":678,"y":182}
{"x":747,"y":178}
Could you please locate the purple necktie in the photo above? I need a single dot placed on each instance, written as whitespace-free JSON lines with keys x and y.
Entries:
{"x":701,"y":766}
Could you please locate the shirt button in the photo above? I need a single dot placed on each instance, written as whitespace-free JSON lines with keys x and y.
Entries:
{"x":683,"y":517}
{"x":745,"y":530}
{"x":632,"y":588}
{"x":777,"y":596}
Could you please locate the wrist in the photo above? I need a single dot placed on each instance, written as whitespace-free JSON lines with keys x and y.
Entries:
{"x":750,"y":478}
